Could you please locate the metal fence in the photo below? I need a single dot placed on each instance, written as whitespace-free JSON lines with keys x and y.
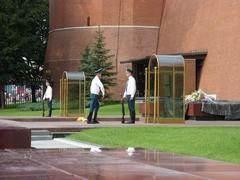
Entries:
{"x":19,"y":94}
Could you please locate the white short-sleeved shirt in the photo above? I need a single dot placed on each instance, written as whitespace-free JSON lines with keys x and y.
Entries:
{"x":97,"y":86}
{"x":130,"y":87}
{"x":48,"y":93}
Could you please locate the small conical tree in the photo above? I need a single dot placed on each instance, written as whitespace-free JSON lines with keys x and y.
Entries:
{"x":102,"y":59}
{"x":98,"y":57}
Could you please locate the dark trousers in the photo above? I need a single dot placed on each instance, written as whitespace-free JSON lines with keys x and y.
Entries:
{"x":94,"y":106}
{"x":131,"y":107}
{"x":49,"y":103}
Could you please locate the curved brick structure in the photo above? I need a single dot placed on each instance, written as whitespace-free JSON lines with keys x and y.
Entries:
{"x":131,"y":28}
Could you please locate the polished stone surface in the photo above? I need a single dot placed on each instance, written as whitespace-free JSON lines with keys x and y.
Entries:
{"x":110,"y":164}
{"x":14,"y":137}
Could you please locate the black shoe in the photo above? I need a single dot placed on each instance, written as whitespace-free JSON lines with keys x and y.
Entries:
{"x":95,"y":117}
{"x":129,"y":122}
{"x":95,"y":122}
{"x":50,"y":113}
{"x":133,"y":117}
{"x":89,"y":118}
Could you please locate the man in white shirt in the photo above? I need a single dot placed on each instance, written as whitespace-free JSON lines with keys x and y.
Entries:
{"x":48,"y":96}
{"x":96,"y":87}
{"x":129,"y":93}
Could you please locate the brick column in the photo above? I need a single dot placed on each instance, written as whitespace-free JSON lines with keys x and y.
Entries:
{"x":190,"y":75}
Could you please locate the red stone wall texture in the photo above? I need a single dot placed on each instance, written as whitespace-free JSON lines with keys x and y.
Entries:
{"x":189,"y":25}
{"x":213,"y":25}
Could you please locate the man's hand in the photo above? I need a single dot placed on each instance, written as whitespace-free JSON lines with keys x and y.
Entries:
{"x":121,"y":97}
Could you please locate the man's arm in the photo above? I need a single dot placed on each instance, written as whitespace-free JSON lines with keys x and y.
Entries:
{"x":124,"y":94}
{"x":50,"y":93}
{"x":44,"y":96}
{"x":101,"y":87}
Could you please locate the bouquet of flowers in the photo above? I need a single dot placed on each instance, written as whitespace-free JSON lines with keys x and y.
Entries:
{"x":198,"y":96}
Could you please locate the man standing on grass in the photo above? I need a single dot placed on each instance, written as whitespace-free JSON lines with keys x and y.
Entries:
{"x":130,"y":91}
{"x":48,"y":96}
{"x":96,"y":87}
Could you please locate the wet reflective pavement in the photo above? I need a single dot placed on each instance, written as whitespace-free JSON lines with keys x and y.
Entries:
{"x":110,"y":164}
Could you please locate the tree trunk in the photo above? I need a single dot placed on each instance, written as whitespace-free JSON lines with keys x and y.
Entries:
{"x":33,"y":88}
{"x":2,"y":97}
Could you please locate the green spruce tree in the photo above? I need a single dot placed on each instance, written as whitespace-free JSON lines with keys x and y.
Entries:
{"x":88,"y":67}
{"x":98,"y":57}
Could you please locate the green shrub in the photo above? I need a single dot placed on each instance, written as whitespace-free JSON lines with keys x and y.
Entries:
{"x":37,"y":106}
{"x":56,"y":105}
{"x":103,"y":102}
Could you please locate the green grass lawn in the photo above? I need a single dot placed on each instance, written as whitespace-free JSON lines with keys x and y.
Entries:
{"x":17,"y":112}
{"x":220,"y":143}
{"x":113,"y":109}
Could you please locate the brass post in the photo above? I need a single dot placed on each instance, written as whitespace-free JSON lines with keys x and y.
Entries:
{"x":63,"y":93}
{"x":80,"y":98}
{"x":155,"y":94}
{"x":149,"y":94}
{"x":158,"y":95}
{"x":84,"y":96}
{"x":60,"y":97}
{"x":65,"y":98}
{"x":174,"y":88}
{"x":145,"y":105}
{"x":66,"y":103}
{"x":184,"y":91}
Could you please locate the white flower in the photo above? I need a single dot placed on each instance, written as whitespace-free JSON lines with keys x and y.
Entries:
{"x":95,"y":149}
{"x":131,"y":150}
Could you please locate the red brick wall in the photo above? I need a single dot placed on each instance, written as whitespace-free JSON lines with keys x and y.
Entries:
{"x":213,"y":25}
{"x":188,"y":25}
{"x":190,"y":76}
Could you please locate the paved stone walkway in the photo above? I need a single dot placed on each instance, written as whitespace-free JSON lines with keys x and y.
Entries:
{"x":110,"y":164}
{"x":77,"y":163}
{"x":62,"y":124}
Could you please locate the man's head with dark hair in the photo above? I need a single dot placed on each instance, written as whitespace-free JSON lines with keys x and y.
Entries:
{"x":49,"y":82}
{"x":129,"y":72}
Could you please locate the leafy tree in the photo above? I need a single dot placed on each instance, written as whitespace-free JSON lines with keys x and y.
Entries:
{"x":98,"y":57}
{"x":23,"y":40}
